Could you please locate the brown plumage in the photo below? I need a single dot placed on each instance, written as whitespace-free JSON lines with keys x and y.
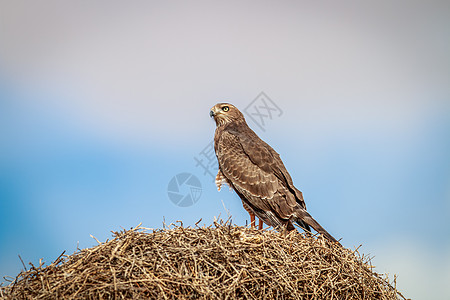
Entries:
{"x":255,"y":171}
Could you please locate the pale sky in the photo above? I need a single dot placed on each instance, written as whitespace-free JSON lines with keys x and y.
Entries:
{"x":105,"y":101}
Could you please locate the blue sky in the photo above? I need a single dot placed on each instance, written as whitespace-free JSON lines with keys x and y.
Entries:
{"x":100,"y":106}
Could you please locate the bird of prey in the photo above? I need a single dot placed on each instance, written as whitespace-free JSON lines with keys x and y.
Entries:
{"x":256,"y":173}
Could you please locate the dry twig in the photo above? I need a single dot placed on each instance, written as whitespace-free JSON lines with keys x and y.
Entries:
{"x":222,"y":261}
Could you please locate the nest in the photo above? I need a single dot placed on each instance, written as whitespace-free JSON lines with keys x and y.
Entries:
{"x":222,"y":261}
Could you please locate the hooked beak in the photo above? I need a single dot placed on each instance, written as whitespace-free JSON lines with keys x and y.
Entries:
{"x":211,"y":113}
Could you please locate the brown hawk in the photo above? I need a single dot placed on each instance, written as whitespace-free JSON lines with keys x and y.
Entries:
{"x":255,"y":171}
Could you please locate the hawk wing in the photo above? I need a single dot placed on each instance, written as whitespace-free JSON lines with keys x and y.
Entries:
{"x":266,"y":217}
{"x":265,"y":157}
{"x":256,"y":172}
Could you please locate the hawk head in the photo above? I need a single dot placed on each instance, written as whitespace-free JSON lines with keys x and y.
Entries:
{"x":224,"y":113}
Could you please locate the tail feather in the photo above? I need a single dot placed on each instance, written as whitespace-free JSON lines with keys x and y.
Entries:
{"x":303,"y":225}
{"x":302,"y":216}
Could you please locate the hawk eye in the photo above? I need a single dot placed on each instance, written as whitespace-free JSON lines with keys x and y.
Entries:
{"x":225,"y":108}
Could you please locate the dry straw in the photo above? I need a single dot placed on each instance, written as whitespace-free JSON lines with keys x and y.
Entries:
{"x":222,"y":261}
